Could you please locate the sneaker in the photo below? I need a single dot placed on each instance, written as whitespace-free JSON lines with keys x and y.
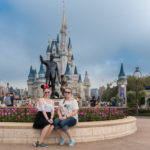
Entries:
{"x":43,"y":145}
{"x":62,"y":141}
{"x":71,"y":142}
{"x":36,"y":144}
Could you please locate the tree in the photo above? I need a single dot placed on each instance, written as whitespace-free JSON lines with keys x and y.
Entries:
{"x":109,"y":93}
{"x":141,"y":97}
{"x":131,"y":99}
{"x":131,"y":86}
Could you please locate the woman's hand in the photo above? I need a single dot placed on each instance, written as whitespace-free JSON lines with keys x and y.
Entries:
{"x":61,"y":118}
{"x":51,"y":120}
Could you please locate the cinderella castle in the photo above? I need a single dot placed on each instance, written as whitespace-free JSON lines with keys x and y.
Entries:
{"x":63,"y":55}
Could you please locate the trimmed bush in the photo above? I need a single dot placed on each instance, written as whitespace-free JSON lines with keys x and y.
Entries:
{"x":85,"y":114}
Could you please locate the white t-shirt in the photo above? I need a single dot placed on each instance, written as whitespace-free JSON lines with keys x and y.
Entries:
{"x":47,"y":107}
{"x":67,"y":107}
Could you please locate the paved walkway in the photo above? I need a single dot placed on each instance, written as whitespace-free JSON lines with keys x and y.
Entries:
{"x":137,"y":141}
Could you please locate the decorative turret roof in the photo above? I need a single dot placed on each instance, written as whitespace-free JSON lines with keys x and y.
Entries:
{"x":121,"y":71}
{"x":69,"y":44}
{"x":72,"y":57}
{"x":75,"y":70}
{"x":64,"y":23}
{"x":86,"y":78}
{"x":34,"y":72}
{"x":48,"y":47}
{"x":80,"y":80}
{"x":67,"y":70}
{"x":57,"y":38}
{"x":31,"y":73}
{"x":54,"y":43}
{"x":41,"y":71}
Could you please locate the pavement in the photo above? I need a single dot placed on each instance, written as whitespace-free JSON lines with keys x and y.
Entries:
{"x":137,"y":141}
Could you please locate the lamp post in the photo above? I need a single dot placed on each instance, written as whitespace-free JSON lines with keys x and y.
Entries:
{"x":137,"y":75}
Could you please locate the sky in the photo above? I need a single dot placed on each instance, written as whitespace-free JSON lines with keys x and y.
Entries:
{"x":103,"y":33}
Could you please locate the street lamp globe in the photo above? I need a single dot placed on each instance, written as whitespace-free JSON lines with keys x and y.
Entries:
{"x":137,"y":73}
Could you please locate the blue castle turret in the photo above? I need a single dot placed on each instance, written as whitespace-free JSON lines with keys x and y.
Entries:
{"x":48,"y":47}
{"x":72,"y":57}
{"x":122,"y":82}
{"x":121,"y":71}
{"x":67,"y":70}
{"x":75,"y":70}
{"x":69,"y":43}
{"x":41,"y":72}
{"x":80,"y":80}
{"x":57,"y":38}
{"x":122,"y":75}
{"x":31,"y":74}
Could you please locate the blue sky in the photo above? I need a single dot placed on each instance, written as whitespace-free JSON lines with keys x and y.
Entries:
{"x":104,"y":33}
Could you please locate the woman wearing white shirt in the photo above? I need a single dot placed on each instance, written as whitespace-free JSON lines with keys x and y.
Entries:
{"x":68,"y":116}
{"x":44,"y":117}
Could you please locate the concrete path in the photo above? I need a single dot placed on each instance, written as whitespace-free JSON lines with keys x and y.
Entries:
{"x":138,"y":141}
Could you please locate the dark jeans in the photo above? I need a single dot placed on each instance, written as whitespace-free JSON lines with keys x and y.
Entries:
{"x":64,"y":124}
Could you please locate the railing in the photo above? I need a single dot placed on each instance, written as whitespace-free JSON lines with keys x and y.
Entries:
{"x":27,"y":114}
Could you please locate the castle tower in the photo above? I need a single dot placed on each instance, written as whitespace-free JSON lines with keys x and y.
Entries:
{"x":69,"y":49}
{"x":41,"y":80}
{"x":68,"y":73}
{"x":58,"y":44}
{"x":87,"y":85}
{"x":63,"y":56}
{"x":63,"y":45}
{"x":122,"y":83}
{"x":30,"y":81}
{"x":76,"y":75}
{"x":48,"y":52}
{"x":81,"y":89}
{"x":72,"y":64}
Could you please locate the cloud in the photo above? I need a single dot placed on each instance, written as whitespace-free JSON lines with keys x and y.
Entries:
{"x":103,"y":33}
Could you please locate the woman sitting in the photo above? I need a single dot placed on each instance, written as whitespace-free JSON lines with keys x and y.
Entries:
{"x":44,"y":117}
{"x":68,"y":116}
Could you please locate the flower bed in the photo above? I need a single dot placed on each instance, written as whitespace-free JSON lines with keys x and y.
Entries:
{"x":24,"y":114}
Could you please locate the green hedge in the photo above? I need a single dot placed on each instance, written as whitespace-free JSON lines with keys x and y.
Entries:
{"x":85,"y":114}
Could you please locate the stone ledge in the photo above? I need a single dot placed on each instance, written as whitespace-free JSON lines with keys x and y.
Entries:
{"x":17,"y":125}
{"x":23,"y":133}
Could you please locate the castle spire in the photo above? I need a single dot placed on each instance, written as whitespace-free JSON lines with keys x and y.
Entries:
{"x":48,"y":47}
{"x":80,"y":80}
{"x":57,"y":38}
{"x":41,"y":71}
{"x":64,"y":23}
{"x":67,"y":69}
{"x":75,"y":70}
{"x":121,"y":71}
{"x":31,"y":72}
{"x":69,"y":44}
{"x":72,"y":57}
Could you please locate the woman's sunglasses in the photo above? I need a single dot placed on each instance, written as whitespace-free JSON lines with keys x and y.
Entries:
{"x":46,"y":92}
{"x":67,"y":92}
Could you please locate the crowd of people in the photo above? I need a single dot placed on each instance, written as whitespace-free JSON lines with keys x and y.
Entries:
{"x":8,"y":99}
